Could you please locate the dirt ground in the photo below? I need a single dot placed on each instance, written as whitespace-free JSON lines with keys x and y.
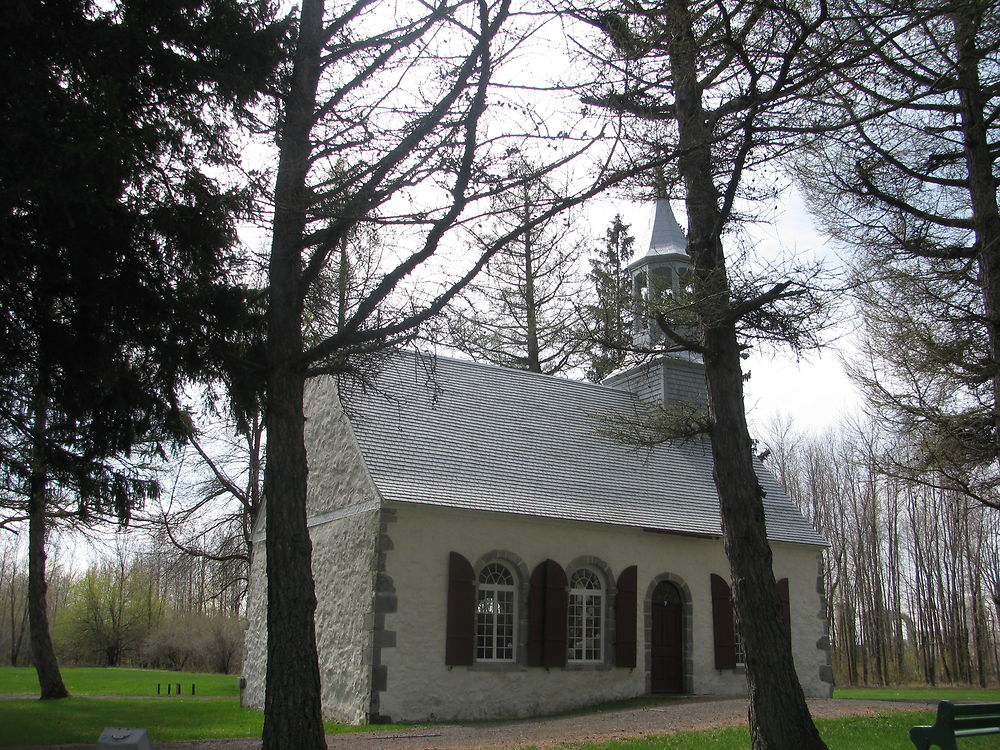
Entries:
{"x":680,"y":715}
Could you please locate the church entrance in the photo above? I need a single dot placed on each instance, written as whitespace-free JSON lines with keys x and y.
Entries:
{"x":667,"y":646}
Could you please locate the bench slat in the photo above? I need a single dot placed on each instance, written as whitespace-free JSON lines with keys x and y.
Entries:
{"x":957,"y":720}
{"x":970,"y":709}
{"x":976,"y":732}
{"x":976,"y":722}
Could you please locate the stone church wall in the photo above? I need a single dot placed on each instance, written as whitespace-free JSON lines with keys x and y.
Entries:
{"x":418,"y":685}
{"x":344,"y":517}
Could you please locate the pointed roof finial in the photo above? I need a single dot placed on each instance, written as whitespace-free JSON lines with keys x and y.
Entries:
{"x":667,"y":235}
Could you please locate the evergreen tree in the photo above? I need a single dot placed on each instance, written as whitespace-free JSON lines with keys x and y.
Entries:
{"x":609,"y":319}
{"x":117,"y":244}
{"x":719,"y":85}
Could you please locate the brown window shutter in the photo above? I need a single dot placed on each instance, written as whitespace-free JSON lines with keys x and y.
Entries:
{"x":556,"y":606}
{"x":548,"y":601}
{"x":722,"y":624}
{"x":536,"y":616}
{"x":781,"y":589}
{"x":626,"y":601}
{"x":461,"y":620}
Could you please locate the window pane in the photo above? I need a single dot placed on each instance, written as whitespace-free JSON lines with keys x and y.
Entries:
{"x":495,"y":614}
{"x":585,"y":617}
{"x":585,"y":579}
{"x":495,"y":573}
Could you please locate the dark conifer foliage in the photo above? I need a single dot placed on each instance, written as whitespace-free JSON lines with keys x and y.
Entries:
{"x":117,"y":242}
{"x":609,"y":318}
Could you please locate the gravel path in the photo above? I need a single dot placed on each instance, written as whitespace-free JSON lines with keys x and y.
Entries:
{"x":680,"y":715}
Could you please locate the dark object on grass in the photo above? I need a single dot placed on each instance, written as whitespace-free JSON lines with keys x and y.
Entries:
{"x":957,"y":720}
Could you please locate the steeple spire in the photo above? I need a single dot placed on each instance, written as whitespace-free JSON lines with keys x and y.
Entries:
{"x":667,"y":235}
{"x":660,"y":272}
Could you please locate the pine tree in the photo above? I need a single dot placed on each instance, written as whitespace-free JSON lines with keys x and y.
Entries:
{"x":718,"y":84}
{"x":610,"y":317}
{"x":118,"y":245}
{"x":910,"y":188}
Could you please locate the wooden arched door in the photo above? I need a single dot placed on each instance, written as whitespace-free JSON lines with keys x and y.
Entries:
{"x":667,"y":645}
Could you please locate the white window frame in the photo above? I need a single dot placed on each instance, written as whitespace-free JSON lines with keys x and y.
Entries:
{"x":499,"y":594}
{"x":585,"y":615}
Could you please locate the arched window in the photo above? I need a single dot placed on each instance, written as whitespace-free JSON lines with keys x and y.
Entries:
{"x":585,"y":617}
{"x":496,"y":600}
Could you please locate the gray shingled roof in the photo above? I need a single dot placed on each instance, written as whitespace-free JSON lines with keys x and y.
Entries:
{"x":452,"y":433}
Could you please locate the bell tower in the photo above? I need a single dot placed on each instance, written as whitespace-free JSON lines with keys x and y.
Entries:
{"x":660,"y":272}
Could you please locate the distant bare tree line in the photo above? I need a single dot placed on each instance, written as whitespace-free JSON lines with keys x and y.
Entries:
{"x":912,"y":571}
{"x":150,"y":607}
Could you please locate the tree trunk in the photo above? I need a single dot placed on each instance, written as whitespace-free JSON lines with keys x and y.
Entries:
{"x":982,"y":183}
{"x":533,"y":363}
{"x":292,"y":710}
{"x":42,"y":651}
{"x":779,"y":716}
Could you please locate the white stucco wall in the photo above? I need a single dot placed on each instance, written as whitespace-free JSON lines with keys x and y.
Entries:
{"x":344,"y":520}
{"x":418,"y":684}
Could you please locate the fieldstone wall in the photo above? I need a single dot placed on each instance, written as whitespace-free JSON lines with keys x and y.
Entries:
{"x":255,"y":641}
{"x":345,"y":526}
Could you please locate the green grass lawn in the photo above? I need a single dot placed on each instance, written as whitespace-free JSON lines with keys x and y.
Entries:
{"x":919,"y":693}
{"x":34,"y":722}
{"x":81,"y":719}
{"x":111,"y":681}
{"x":890,"y":731}
{"x":215,"y":714}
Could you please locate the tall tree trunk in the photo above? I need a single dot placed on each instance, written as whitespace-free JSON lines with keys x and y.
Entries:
{"x":779,"y":716}
{"x":532,"y":347}
{"x":979,"y":155}
{"x":292,"y":710}
{"x":42,"y":651}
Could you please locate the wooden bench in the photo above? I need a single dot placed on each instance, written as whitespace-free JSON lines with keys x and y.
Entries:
{"x":957,"y":720}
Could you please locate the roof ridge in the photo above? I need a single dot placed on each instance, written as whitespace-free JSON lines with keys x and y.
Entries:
{"x":511,"y":371}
